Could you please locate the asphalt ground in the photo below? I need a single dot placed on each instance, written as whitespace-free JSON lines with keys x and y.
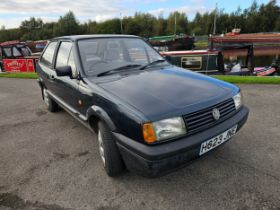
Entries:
{"x":51,"y":161}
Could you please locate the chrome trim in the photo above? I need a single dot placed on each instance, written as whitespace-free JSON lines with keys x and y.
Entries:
{"x":83,"y":117}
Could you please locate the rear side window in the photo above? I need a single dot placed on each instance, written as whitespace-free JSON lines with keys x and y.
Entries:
{"x":16,"y":52}
{"x":48,"y":55}
{"x":63,"y":54}
{"x":8,"y":51}
{"x":25,"y":51}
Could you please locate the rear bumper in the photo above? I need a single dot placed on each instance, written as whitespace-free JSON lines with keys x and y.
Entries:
{"x":155,"y":160}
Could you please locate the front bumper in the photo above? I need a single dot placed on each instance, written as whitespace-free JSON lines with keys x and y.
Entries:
{"x":155,"y":160}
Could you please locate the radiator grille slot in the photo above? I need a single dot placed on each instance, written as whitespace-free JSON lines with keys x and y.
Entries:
{"x":203,"y":119}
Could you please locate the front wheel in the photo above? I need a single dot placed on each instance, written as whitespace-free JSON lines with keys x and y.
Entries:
{"x":108,"y":150}
{"x":51,"y":104}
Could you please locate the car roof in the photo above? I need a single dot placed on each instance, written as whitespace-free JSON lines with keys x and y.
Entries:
{"x":80,"y":37}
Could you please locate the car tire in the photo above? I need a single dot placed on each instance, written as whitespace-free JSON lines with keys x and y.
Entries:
{"x":51,"y":104}
{"x":108,"y":150}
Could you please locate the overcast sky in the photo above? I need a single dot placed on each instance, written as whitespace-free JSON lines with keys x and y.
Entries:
{"x":12,"y":12}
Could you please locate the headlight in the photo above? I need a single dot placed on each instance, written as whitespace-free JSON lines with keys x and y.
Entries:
{"x":237,"y":100}
{"x":164,"y":129}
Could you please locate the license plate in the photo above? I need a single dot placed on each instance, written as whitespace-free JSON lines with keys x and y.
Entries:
{"x":218,"y":140}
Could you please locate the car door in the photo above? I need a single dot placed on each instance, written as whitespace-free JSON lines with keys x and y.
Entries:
{"x":67,"y":88}
{"x":46,"y":66}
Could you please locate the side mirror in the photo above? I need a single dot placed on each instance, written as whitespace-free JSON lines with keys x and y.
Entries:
{"x":64,"y":71}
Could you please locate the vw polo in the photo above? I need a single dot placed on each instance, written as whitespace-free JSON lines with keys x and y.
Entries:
{"x":150,"y":116}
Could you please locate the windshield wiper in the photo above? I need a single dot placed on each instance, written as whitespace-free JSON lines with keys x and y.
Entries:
{"x":129,"y":66}
{"x":152,"y":63}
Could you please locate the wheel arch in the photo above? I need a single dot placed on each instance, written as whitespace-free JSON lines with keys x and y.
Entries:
{"x":96,"y":114}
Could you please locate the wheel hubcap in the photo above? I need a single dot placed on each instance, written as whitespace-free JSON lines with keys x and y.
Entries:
{"x":46,"y":97}
{"x":101,"y":147}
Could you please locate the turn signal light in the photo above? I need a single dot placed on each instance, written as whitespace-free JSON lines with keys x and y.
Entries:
{"x":149,"y":133}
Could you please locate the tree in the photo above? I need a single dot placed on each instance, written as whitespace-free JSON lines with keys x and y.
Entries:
{"x":3,"y":34}
{"x":269,"y":15}
{"x":256,"y":18}
{"x":67,"y":25}
{"x":159,"y":26}
{"x":31,"y":29}
{"x":177,"y":23}
{"x":277,"y":25}
{"x":131,"y":26}
{"x":109,"y":27}
{"x":89,"y":27}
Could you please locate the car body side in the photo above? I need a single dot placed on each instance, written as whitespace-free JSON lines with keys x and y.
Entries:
{"x":98,"y":104}
{"x":89,"y":101}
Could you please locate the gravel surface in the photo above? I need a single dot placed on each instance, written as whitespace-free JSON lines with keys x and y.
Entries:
{"x":50,"y":161}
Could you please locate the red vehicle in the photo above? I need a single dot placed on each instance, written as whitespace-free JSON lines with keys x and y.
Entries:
{"x":15,"y":56}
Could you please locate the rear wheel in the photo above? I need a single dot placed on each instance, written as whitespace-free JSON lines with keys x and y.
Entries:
{"x":108,"y":150}
{"x":51,"y":104}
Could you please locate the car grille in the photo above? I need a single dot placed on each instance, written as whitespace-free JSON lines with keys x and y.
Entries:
{"x":204,"y":118}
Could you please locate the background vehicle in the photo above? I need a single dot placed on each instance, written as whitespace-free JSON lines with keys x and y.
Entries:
{"x":172,"y":42}
{"x":16,"y":56}
{"x":202,"y":61}
{"x":214,"y":62}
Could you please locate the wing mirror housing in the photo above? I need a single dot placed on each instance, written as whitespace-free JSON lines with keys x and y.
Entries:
{"x":64,"y":71}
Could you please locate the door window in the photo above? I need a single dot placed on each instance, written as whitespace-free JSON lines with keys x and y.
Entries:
{"x":48,"y":55}
{"x":71,"y":62}
{"x":63,"y":54}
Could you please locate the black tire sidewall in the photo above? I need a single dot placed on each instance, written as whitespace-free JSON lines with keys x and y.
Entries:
{"x":114,"y":165}
{"x":52,"y":106}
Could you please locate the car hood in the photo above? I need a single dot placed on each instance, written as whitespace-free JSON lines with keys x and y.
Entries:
{"x":167,"y":92}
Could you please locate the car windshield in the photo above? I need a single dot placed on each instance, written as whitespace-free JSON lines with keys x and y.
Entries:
{"x":101,"y":55}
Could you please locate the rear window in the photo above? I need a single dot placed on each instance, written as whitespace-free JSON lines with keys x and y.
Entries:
{"x":47,"y":57}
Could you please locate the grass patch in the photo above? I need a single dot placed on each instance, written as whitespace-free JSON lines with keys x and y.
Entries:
{"x":201,"y":44}
{"x":19,"y":75}
{"x":231,"y":79}
{"x":249,"y":79}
